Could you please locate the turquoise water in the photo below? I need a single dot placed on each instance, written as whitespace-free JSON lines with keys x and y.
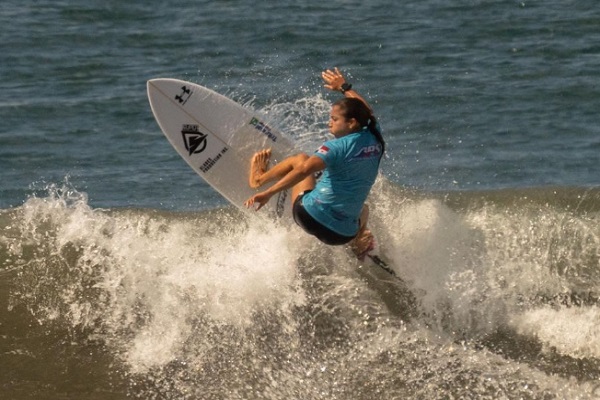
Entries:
{"x":123,"y":275}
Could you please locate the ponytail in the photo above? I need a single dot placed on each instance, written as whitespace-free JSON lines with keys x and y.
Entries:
{"x":373,"y":126}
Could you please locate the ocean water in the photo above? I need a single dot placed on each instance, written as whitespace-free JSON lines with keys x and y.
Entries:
{"x":123,"y":275}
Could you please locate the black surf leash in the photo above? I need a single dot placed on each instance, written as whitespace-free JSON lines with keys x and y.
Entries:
{"x":377,"y":260}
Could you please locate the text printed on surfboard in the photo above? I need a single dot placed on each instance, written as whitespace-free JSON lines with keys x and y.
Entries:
{"x":263,"y":128}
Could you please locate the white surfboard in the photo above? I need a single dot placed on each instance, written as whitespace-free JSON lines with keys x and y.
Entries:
{"x":217,"y":137}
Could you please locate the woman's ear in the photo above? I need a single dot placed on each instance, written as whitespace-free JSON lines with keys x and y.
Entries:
{"x":354,"y":124}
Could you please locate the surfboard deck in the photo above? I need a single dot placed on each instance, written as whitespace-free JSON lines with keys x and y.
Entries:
{"x":217,"y":137}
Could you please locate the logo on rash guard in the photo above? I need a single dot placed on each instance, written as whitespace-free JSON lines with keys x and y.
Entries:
{"x":323,"y":150}
{"x":368,"y":152}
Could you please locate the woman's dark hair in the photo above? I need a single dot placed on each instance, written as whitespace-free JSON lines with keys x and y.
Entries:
{"x":351,"y":107}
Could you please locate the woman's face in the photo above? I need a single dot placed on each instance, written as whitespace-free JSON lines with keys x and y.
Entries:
{"x":338,"y":124}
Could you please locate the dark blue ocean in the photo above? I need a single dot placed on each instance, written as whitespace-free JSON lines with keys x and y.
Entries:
{"x":123,"y":275}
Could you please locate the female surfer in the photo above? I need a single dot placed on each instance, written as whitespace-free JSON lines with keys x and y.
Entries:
{"x":333,"y":208}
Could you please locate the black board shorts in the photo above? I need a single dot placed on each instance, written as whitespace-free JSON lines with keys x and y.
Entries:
{"x":310,"y":225}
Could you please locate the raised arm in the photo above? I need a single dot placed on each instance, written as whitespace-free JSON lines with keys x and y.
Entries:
{"x":334,"y":80}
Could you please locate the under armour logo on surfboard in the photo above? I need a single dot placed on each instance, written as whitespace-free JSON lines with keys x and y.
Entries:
{"x":194,"y":140}
{"x":184,"y":96}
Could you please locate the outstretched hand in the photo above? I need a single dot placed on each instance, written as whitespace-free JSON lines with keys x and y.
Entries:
{"x":261,"y":199}
{"x":333,"y":79}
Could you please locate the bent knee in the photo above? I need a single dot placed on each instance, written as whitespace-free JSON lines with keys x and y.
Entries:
{"x":300,"y":158}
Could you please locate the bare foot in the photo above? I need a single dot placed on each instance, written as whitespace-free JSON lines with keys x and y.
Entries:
{"x":258,"y":166}
{"x":362,"y":244}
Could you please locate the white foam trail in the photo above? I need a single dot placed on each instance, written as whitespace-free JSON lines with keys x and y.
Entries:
{"x":224,"y":278}
{"x":472,"y":270}
{"x":573,"y":331}
{"x":144,"y":281}
{"x":434,"y":250}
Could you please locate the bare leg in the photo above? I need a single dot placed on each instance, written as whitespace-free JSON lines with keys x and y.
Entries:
{"x":260,"y":174}
{"x":308,"y":183}
{"x":364,"y":240}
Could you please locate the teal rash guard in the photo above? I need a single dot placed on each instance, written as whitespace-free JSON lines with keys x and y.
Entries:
{"x":351,"y":167}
